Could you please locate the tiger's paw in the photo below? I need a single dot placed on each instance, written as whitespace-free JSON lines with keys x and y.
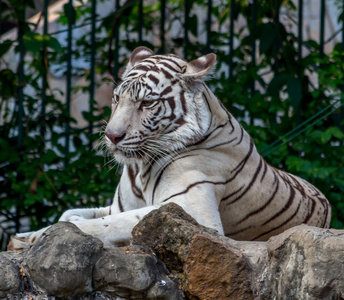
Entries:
{"x":23,"y":241}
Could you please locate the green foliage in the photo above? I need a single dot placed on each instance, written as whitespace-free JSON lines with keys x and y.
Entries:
{"x":272,"y":96}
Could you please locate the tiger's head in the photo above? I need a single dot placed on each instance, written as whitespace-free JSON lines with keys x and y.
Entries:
{"x":159,"y":107}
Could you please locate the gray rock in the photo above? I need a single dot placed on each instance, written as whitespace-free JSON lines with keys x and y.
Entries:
{"x":10,"y":281}
{"x":61,"y":260}
{"x":307,"y":263}
{"x":131,"y":272}
{"x":302,"y":263}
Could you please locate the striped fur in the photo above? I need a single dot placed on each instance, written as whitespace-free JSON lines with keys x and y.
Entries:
{"x":179,"y":144}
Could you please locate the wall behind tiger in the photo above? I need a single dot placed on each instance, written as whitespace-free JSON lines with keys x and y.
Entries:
{"x":271,"y":91}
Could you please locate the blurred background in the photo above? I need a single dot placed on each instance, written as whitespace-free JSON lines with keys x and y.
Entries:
{"x":279,"y":71}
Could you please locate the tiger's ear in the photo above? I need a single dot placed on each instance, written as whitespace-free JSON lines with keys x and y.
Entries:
{"x":199,"y":67}
{"x":139,"y":54}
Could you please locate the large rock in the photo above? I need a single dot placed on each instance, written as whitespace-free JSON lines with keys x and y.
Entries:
{"x":61,"y":260}
{"x":302,"y":263}
{"x":307,"y":262}
{"x":67,"y":263}
{"x":132,"y":272}
{"x":10,"y":282}
{"x":209,"y":265}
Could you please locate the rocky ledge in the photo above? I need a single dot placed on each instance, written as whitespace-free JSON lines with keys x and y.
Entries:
{"x":173,"y":257}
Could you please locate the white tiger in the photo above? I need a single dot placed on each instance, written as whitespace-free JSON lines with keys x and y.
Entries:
{"x":179,"y":144}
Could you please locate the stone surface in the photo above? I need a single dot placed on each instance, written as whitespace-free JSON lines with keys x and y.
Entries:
{"x":302,"y":263}
{"x":61,"y":260}
{"x":132,"y":272}
{"x":171,"y":253}
{"x":307,"y":261}
{"x":209,"y":265}
{"x":10,"y":282}
{"x":69,"y":264}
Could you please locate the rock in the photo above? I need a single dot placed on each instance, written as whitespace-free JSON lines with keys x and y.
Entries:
{"x":10,"y":282}
{"x":66,"y":263}
{"x":302,"y":263}
{"x":133,"y":273}
{"x":307,"y":263}
{"x":61,"y":260}
{"x":170,"y":251}
{"x":209,"y":265}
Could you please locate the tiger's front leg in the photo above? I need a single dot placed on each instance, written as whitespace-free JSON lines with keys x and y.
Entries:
{"x":22,"y":241}
{"x":79,"y":214}
{"x":115,"y":230}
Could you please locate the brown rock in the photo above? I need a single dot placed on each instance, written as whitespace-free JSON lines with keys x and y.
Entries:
{"x":209,"y":265}
{"x":214,"y":270}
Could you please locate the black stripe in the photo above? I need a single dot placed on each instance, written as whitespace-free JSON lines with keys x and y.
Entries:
{"x":281,"y":225}
{"x":140,"y":67}
{"x":242,"y":163}
{"x":311,"y":212}
{"x":286,"y":206}
{"x":166,"y":91}
{"x":238,"y":231}
{"x":163,"y":170}
{"x":209,"y":134}
{"x":233,"y":193}
{"x":154,"y":79}
{"x":190,"y":187}
{"x":206,"y":100}
{"x":167,"y":66}
{"x":119,"y":199}
{"x":325,"y":204}
{"x":136,"y":190}
{"x":264,"y":172}
{"x":212,"y":182}
{"x":183,"y":101}
{"x":241,"y":137}
{"x":265,"y":205}
{"x":254,"y":178}
{"x":165,"y":58}
{"x":168,"y":75}
{"x":218,"y":145}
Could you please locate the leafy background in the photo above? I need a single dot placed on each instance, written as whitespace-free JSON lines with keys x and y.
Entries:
{"x":270,"y":97}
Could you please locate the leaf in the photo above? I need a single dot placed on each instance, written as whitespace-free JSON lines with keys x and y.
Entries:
{"x":33,"y":42}
{"x":337,"y":133}
{"x":50,"y":157}
{"x":5,"y":46}
{"x":52,"y":43}
{"x":276,"y":85}
{"x":8,"y":81}
{"x":267,"y":36}
{"x":326,"y":136}
{"x":294,"y":91}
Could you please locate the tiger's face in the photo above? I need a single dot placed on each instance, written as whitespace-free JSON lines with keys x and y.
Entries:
{"x":154,"y":112}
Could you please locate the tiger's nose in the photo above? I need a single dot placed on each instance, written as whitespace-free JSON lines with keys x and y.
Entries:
{"x":115,"y":138}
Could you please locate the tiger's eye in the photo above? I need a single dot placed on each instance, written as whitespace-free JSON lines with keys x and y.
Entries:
{"x":146,"y":103}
